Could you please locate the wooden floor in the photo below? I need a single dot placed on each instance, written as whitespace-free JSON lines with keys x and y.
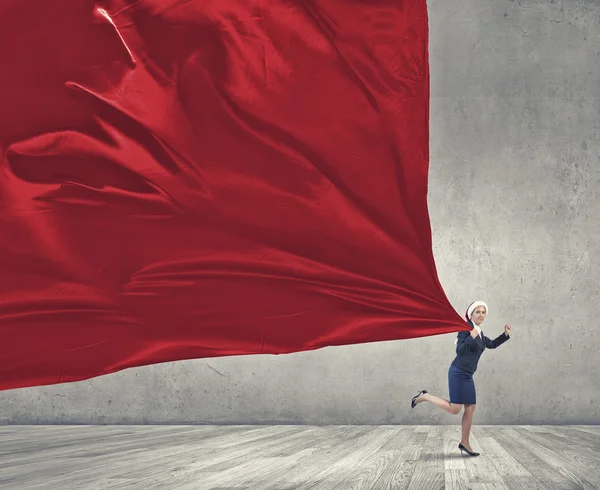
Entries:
{"x":297,"y":457}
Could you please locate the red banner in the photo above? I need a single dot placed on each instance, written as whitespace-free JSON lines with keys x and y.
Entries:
{"x":190,"y":179}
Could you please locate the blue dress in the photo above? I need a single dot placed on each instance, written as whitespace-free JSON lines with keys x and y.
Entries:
{"x":460,"y":375}
{"x":461,"y":386}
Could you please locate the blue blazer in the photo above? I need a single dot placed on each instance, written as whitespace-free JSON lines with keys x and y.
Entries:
{"x":469,"y":349}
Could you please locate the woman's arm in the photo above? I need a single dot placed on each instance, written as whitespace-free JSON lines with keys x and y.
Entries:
{"x":492,"y":344}
{"x":466,"y":342}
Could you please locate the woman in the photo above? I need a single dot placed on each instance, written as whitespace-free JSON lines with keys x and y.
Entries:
{"x":469,"y":347}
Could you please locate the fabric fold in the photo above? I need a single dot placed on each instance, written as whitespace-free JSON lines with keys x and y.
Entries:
{"x":197,"y":179}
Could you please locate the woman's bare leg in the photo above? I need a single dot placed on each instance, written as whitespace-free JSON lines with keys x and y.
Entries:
{"x":467,"y":422}
{"x":444,"y":404}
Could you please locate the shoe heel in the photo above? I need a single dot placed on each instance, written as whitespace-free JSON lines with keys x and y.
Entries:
{"x":470,"y":453}
{"x":412,"y":403}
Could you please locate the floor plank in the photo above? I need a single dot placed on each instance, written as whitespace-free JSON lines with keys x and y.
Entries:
{"x":543,"y":470}
{"x":290,"y":457}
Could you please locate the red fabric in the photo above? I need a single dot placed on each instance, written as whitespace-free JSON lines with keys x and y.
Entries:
{"x":189,"y":179}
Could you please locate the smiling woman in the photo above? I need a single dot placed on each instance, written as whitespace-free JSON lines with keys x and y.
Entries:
{"x":469,"y":347}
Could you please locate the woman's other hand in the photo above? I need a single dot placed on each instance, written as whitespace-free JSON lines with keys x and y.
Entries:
{"x":474,"y":333}
{"x":507,"y":329}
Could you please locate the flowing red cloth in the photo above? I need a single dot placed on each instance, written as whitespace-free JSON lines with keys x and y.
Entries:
{"x":189,"y":179}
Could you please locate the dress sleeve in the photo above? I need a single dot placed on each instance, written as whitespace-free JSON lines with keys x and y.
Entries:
{"x":492,"y":344}
{"x":464,"y":343}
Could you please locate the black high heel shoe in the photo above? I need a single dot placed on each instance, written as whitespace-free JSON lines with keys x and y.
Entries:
{"x":412,"y":403}
{"x":463,"y":448}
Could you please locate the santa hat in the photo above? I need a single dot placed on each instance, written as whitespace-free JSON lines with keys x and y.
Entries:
{"x":474,"y":305}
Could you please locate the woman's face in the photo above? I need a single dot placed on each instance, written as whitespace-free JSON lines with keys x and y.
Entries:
{"x":478,"y":315}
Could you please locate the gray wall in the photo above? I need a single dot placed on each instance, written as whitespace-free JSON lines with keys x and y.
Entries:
{"x":515,"y":168}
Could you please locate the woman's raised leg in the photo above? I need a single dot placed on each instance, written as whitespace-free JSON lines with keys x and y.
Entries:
{"x":453,"y":408}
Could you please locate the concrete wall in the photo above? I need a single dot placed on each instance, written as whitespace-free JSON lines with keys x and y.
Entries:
{"x":515,"y":173}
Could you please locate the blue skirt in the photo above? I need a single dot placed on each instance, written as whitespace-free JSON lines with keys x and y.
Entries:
{"x":461,"y":386}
